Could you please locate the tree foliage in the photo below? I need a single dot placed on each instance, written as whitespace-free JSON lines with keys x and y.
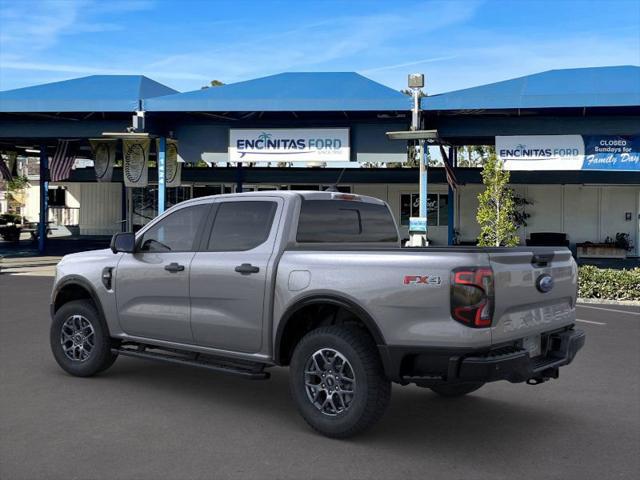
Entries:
{"x":497,"y":208}
{"x":213,"y":83}
{"x":474,"y":155}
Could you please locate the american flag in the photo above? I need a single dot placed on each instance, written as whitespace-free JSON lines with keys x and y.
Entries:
{"x":4,"y":170}
{"x":62,"y":161}
{"x":451,"y":175}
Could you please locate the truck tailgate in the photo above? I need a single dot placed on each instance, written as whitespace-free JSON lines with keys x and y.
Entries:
{"x":525,"y":305}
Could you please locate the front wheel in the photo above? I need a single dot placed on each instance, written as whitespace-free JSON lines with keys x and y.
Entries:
{"x":80,"y":340}
{"x":337,"y":381}
{"x":456,"y":390}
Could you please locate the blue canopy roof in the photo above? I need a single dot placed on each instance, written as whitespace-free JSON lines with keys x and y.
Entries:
{"x":96,"y":93}
{"x":297,"y":92}
{"x":577,"y":87}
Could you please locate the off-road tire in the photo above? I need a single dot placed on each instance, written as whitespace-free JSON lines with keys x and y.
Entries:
{"x":100,"y":358}
{"x":371,"y":394}
{"x":456,"y":390}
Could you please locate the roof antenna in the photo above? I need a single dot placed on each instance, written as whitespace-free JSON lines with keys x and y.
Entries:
{"x":334,"y":186}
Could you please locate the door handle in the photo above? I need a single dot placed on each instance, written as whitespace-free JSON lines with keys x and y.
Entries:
{"x":247,"y":269}
{"x":174,"y":267}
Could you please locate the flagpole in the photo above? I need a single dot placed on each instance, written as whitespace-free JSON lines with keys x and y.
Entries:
{"x":44,"y":199}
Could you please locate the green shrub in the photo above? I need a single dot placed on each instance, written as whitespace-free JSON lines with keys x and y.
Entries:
{"x":608,"y":284}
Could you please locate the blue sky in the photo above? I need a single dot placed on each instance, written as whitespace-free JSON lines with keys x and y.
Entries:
{"x":184,"y":44}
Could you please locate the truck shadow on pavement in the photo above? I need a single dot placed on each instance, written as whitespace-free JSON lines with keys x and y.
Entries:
{"x":417,"y":419}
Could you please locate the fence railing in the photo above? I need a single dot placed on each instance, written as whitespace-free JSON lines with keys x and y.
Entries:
{"x":64,"y":215}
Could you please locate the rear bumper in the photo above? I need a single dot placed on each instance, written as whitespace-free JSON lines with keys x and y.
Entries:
{"x":432,"y":366}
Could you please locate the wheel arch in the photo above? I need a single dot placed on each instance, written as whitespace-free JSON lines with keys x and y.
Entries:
{"x":288,"y":320}
{"x":74,"y":288}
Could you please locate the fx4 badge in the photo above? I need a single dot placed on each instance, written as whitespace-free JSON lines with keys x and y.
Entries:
{"x":429,"y":280}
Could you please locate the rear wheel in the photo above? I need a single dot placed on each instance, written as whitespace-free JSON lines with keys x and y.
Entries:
{"x":456,"y":390}
{"x":337,"y":381}
{"x":80,"y":340}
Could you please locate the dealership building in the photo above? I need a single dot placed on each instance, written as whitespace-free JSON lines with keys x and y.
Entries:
{"x":570,"y":137}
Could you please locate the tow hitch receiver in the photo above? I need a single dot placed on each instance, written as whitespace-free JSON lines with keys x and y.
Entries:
{"x":545,"y":376}
{"x":537,"y":381}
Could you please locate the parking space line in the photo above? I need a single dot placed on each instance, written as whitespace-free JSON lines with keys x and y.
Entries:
{"x":590,"y":321}
{"x":628,"y":312}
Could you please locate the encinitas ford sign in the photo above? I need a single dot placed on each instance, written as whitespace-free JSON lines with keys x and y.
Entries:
{"x":541,"y":152}
{"x":289,"y":145}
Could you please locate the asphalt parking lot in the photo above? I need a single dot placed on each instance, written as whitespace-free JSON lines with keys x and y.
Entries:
{"x":147,"y":420}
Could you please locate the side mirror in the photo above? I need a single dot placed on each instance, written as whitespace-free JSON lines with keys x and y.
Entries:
{"x":123,"y":242}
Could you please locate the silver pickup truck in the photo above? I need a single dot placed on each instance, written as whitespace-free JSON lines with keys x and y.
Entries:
{"x":316,"y":281}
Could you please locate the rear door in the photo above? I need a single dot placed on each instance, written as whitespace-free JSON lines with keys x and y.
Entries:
{"x":535,"y":291}
{"x":152,"y":284}
{"x":229,"y":275}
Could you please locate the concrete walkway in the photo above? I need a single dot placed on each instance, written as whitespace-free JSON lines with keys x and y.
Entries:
{"x":44,"y":266}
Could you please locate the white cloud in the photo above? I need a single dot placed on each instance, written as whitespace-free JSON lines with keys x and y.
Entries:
{"x":408,"y":64}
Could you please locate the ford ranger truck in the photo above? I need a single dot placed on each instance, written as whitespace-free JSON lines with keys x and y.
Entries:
{"x":318,"y":282}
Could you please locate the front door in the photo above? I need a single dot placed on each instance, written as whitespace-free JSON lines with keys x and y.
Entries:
{"x":152,"y":284}
{"x":229,"y":275}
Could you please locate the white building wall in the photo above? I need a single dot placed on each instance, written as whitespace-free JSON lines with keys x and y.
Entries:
{"x":31,"y":208}
{"x":586,"y":213}
{"x":73,"y":195}
{"x":581,"y":214}
{"x":546,"y":211}
{"x":466,"y":208}
{"x":100,"y":208}
{"x":615,"y":203}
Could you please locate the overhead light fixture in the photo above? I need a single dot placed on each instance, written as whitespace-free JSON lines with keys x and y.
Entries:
{"x":415,"y":135}
{"x":31,"y":150}
{"x":126,"y":134}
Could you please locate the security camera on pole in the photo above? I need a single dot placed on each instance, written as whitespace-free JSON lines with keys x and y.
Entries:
{"x":418,"y":225}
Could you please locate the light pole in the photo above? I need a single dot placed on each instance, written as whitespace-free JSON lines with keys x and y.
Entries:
{"x":418,"y":225}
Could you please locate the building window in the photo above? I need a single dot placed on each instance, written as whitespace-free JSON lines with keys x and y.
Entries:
{"x":145,"y":206}
{"x":341,"y":188}
{"x":57,"y":197}
{"x":437,"y":208}
{"x":176,"y":195}
{"x":206,"y":190}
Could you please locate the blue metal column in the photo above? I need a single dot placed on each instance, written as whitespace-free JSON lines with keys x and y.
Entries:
{"x":423,"y":179}
{"x":450,"y":200}
{"x":162,"y":182}
{"x":44,"y":199}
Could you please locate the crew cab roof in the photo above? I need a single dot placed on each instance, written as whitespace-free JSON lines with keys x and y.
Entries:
{"x":305,"y":194}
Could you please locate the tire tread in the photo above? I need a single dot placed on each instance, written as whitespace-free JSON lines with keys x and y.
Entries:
{"x":379,"y":393}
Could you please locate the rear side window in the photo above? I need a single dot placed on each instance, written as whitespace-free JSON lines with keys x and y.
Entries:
{"x":241,"y":226}
{"x":345,"y":221}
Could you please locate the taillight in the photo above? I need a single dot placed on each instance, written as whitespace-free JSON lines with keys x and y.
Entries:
{"x":472,"y":296}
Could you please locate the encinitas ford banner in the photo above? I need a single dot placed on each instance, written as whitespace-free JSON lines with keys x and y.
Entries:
{"x":289,"y":145}
{"x":541,"y":152}
{"x":569,"y":152}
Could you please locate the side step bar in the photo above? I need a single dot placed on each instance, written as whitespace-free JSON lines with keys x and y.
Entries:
{"x":250,"y":371}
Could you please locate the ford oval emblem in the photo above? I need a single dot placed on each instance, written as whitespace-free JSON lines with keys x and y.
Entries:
{"x":544,"y":283}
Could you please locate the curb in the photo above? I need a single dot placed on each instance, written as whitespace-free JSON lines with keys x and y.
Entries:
{"x":602,"y":301}
{"x":8,"y":266}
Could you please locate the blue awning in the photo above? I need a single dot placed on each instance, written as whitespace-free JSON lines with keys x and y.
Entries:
{"x":96,"y":93}
{"x":577,"y":87}
{"x":288,"y":92}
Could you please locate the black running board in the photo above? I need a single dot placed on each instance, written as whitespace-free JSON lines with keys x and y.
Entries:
{"x":245,"y":370}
